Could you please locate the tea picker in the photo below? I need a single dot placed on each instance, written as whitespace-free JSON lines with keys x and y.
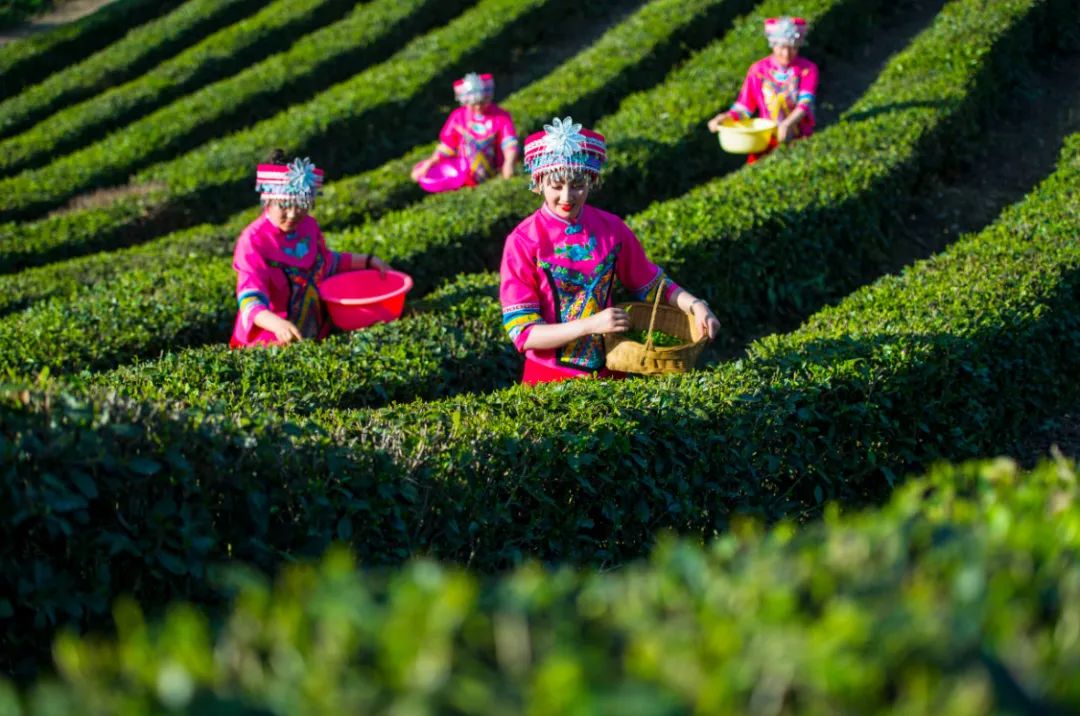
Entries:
{"x":282,"y":262}
{"x":780,"y":89}
{"x":559,"y":265}
{"x":477,"y":141}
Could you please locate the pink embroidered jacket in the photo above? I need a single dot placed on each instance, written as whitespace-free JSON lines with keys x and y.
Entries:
{"x":555,"y":271}
{"x":774,"y":92}
{"x":482,"y":140}
{"x":281,"y":272}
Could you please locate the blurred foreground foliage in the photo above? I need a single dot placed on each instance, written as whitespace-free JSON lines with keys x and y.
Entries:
{"x":961,"y":595}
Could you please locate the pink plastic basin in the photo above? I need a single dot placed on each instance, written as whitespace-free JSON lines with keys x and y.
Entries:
{"x":359,"y":298}
{"x":444,"y":175}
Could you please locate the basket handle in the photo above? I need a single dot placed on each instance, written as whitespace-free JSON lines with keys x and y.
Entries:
{"x":652,"y":318}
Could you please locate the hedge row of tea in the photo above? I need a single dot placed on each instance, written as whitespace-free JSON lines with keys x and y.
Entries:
{"x":33,"y":58}
{"x":111,"y":105}
{"x":888,"y":380}
{"x":349,"y":119}
{"x":960,"y":596}
{"x":413,"y":230}
{"x":207,"y":375}
{"x":453,"y":342}
{"x":591,"y":82}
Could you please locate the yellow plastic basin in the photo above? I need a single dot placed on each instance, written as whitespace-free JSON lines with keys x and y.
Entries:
{"x":746,"y":136}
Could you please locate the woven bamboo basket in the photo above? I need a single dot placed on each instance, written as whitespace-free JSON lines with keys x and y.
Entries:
{"x":630,"y":356}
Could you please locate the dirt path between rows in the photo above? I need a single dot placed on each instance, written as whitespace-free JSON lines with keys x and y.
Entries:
{"x":65,"y":11}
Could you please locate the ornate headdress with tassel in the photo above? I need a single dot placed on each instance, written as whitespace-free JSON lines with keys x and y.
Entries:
{"x":474,"y":88}
{"x":785,"y":31}
{"x":294,"y":184}
{"x":564,"y":146}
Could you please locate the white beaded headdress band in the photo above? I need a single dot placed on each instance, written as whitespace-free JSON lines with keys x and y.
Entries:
{"x":564,"y":146}
{"x":785,"y":31}
{"x":294,"y":184}
{"x":474,"y":88}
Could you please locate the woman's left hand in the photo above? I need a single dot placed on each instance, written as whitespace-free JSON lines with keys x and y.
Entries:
{"x":706,"y":321}
{"x":376,"y":263}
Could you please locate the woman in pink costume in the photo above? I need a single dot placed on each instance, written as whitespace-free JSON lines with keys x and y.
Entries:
{"x":781,"y":87}
{"x":281,"y":258}
{"x":560,"y":263}
{"x":479,"y":134}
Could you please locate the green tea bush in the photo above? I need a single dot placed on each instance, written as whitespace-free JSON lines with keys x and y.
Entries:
{"x":341,"y":125}
{"x":960,"y":597}
{"x":31,"y":59}
{"x":945,"y":360}
{"x":455,"y":339}
{"x":110,"y":104}
{"x":67,"y":278}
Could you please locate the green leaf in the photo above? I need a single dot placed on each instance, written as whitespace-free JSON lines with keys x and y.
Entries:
{"x":172,"y":563}
{"x":85,"y":483}
{"x":144,"y":466}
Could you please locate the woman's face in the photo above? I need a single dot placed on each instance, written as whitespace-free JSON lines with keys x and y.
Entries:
{"x":565,"y":198}
{"x":479,"y":107}
{"x":285,"y":218}
{"x":784,"y":54}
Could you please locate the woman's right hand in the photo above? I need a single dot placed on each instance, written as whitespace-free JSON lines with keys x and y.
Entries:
{"x":714,"y":123}
{"x":785,"y":131}
{"x":610,"y":320}
{"x":421,"y":169}
{"x":285,"y":331}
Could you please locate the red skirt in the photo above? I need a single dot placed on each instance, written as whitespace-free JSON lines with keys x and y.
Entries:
{"x":540,"y":373}
{"x":773,"y":144}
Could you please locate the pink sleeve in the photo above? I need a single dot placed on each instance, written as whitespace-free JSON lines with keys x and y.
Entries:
{"x":808,"y":88}
{"x":519,"y":291}
{"x":252,"y":281}
{"x":746,"y":103}
{"x":637,"y":274}
{"x":507,"y":135}
{"x":450,"y":136}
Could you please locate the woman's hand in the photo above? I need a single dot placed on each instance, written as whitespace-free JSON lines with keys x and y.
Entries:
{"x":785,"y":132}
{"x":285,"y":331}
{"x":421,"y":169}
{"x":507,"y":170}
{"x":610,"y":320}
{"x":706,"y":321}
{"x":714,"y":123}
{"x":376,"y":263}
